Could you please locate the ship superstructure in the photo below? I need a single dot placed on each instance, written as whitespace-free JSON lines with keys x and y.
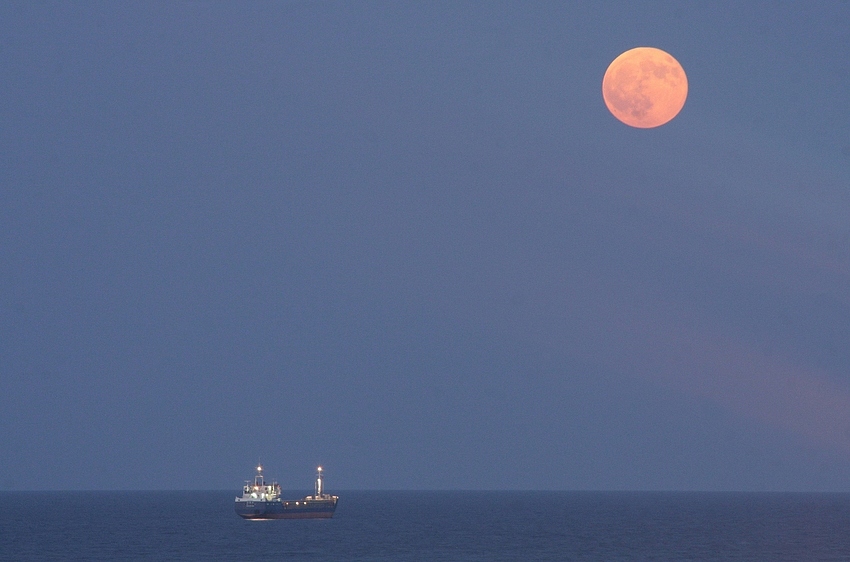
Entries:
{"x":261,"y":500}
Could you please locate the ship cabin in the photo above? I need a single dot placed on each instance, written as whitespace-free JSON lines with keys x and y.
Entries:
{"x":260,"y":489}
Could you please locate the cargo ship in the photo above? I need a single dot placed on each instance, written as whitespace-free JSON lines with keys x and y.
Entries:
{"x":261,"y":500}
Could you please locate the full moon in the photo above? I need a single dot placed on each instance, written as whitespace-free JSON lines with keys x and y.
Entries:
{"x":645,"y":87}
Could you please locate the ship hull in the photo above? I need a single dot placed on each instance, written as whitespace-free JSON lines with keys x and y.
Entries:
{"x":322,"y":509}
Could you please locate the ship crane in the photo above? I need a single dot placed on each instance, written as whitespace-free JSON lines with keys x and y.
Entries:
{"x":319,"y":487}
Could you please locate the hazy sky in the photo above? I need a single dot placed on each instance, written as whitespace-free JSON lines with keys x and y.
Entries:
{"x":409,"y":242}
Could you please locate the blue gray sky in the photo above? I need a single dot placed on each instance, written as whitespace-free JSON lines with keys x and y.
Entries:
{"x":408,"y":241}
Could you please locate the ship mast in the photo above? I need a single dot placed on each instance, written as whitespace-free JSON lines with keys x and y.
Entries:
{"x":319,"y":487}
{"x":258,"y":479}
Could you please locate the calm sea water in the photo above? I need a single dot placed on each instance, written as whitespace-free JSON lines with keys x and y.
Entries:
{"x":457,"y":526}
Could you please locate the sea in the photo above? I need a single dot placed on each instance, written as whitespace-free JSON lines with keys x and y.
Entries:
{"x":432,"y":526}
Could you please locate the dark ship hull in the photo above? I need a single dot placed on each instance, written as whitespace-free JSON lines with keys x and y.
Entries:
{"x":287,"y":509}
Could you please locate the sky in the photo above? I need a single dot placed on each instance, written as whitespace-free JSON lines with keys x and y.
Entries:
{"x":408,"y":241}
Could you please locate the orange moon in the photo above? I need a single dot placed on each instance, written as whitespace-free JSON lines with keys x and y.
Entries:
{"x":645,"y":87}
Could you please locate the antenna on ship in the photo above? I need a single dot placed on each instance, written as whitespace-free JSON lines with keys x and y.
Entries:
{"x":319,"y":488}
